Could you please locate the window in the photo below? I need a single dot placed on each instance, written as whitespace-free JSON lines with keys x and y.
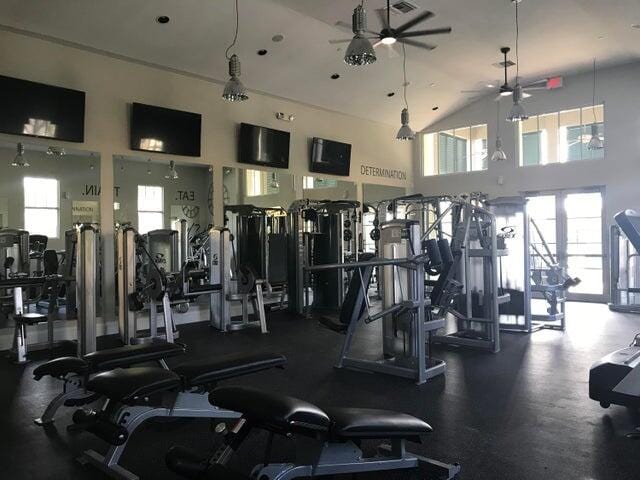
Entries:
{"x":259,"y":182}
{"x":454,"y":151}
{"x":150,"y":208}
{"x":41,"y":206}
{"x":560,"y":137}
{"x":309,"y":183}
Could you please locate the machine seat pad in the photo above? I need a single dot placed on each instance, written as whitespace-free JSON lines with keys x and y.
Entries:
{"x":124,"y":384}
{"x":59,"y":367}
{"x":131,"y":354}
{"x":209,"y":371}
{"x":271,"y":410}
{"x":367,"y":423}
{"x":30,"y":318}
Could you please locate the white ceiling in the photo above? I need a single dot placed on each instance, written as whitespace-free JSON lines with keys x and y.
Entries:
{"x":557,"y":37}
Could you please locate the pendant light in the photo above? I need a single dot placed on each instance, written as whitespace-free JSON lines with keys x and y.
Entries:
{"x":234,"y":90}
{"x":360,"y":51}
{"x":405,"y":132}
{"x":172,"y":174}
{"x":517,"y":113}
{"x":149,"y":166}
{"x":19,"y":160}
{"x":498,"y":154}
{"x":595,"y":143}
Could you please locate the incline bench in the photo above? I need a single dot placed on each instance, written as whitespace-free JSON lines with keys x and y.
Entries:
{"x":134,"y":395}
{"x":337,"y":431}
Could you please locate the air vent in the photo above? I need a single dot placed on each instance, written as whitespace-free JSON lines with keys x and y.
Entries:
{"x":403,"y":7}
{"x":501,"y":65}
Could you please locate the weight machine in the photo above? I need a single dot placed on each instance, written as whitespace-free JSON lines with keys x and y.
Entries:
{"x":321,"y":232}
{"x":625,"y":273}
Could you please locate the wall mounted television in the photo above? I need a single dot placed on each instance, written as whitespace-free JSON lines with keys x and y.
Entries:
{"x":39,"y":110}
{"x":263,"y":146}
{"x":158,"y":129}
{"x":327,"y":156}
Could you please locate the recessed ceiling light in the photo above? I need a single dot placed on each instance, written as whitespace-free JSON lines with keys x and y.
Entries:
{"x":600,"y":37}
{"x":262,"y":52}
{"x":432,"y":84}
{"x":435,"y":108}
{"x":277,"y":38}
{"x":391,"y":94}
{"x":636,"y":25}
{"x":163,"y":19}
{"x":335,"y":76}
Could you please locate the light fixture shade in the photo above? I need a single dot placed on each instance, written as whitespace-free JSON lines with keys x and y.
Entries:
{"x":360,"y":51}
{"x":498,"y":154}
{"x":517,"y":113}
{"x":172,"y":174}
{"x":19,"y":160}
{"x":234,"y":91}
{"x":595,"y":143}
{"x":405,"y":132}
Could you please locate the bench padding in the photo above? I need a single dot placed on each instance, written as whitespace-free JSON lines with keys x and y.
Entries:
{"x":271,"y":409}
{"x":130,"y":354}
{"x":59,"y":367}
{"x":367,"y":423}
{"x":210,"y":371}
{"x":126,"y":384}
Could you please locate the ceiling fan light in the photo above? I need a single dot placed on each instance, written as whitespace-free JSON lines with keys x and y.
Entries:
{"x":388,"y":40}
{"x":595,"y":143}
{"x":19,"y":160}
{"x":498,"y":154}
{"x":234,"y":90}
{"x":405,"y":132}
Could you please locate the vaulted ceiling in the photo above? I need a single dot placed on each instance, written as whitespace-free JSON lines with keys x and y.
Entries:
{"x":557,"y":37}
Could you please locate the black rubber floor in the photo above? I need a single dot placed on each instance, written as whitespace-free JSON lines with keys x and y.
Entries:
{"x":521,"y":414}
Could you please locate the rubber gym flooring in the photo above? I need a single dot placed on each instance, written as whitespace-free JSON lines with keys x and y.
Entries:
{"x":521,"y":414}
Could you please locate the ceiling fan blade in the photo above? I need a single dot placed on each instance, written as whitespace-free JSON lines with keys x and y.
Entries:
{"x":413,"y":22}
{"x":420,"y":33}
{"x":382,"y":16}
{"x":413,"y":43}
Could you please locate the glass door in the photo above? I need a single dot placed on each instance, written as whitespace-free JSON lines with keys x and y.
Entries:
{"x":571,"y":222}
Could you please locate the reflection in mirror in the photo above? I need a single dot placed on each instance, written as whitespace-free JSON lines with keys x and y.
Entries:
{"x":372,"y":195}
{"x":44,"y":192}
{"x":319,"y":188}
{"x":263,"y":189}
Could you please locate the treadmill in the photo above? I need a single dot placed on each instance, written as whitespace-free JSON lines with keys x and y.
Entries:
{"x":615,"y":378}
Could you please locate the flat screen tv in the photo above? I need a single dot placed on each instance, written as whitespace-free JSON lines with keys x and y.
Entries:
{"x":333,"y":158}
{"x":157,"y":129}
{"x":263,"y":146}
{"x":39,"y":110}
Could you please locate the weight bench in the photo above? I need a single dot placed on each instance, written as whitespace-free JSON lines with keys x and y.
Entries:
{"x":136,"y":394}
{"x":337,"y":431}
{"x":75,"y":372}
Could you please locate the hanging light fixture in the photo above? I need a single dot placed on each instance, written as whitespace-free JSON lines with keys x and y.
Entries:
{"x":405,"y":132}
{"x":595,"y":143}
{"x":149,"y":166}
{"x":517,"y":113}
{"x":498,"y":153}
{"x":234,"y":90}
{"x":19,"y":160}
{"x":360,"y":51}
{"x":172,"y":174}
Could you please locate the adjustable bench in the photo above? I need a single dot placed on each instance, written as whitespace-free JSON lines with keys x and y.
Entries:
{"x":75,"y":371}
{"x":338,"y":432}
{"x":136,"y":394}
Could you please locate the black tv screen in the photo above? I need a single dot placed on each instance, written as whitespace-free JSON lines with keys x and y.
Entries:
{"x":157,"y":129}
{"x":39,"y":110}
{"x":263,"y":146}
{"x":330,"y":157}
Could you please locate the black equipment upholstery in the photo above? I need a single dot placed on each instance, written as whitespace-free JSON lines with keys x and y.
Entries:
{"x":366,"y":423}
{"x":59,"y":367}
{"x":38,"y":243}
{"x":447,"y":259}
{"x":228,"y":366}
{"x":129,"y":354}
{"x":272,"y":410}
{"x":50,"y":262}
{"x":127,"y":384}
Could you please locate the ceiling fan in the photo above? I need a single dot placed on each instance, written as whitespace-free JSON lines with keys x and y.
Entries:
{"x":389,"y":35}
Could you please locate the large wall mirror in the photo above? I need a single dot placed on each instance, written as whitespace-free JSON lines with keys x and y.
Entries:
{"x":263,"y":189}
{"x":44,"y":192}
{"x":155,"y":195}
{"x":327,"y":188}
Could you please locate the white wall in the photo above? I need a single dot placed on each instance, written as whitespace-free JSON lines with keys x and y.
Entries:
{"x":111,"y":84}
{"x":618,"y":88}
